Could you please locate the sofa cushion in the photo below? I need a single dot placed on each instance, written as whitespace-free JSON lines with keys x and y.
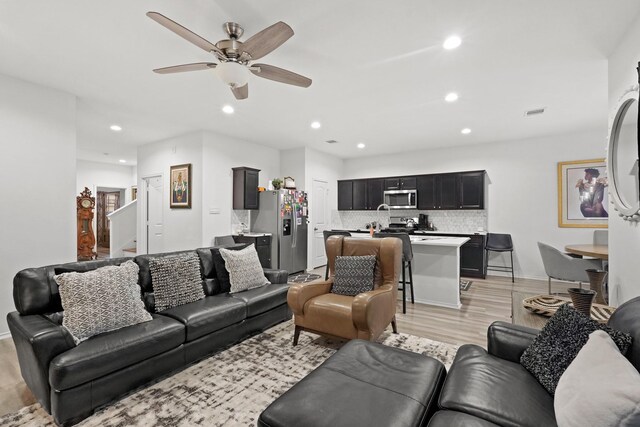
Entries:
{"x":354,"y":275}
{"x":458,"y":419}
{"x":109,"y":352}
{"x":494,"y":389}
{"x":363,"y":384}
{"x":101,"y":300}
{"x":560,"y":341}
{"x":600,"y":387}
{"x":222,"y":275}
{"x":177,"y":280}
{"x":208,"y":315}
{"x":264,"y":298}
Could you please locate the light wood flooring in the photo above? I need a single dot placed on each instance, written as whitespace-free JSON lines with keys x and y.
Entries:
{"x":485,"y":302}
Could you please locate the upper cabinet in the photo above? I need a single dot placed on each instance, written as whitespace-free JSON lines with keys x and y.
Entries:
{"x":450,"y":191}
{"x":245,"y":188}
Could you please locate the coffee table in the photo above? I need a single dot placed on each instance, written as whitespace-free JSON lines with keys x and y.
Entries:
{"x":523,"y":317}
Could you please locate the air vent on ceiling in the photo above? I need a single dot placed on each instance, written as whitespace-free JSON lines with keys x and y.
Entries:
{"x":331,"y":141}
{"x":535,"y":112}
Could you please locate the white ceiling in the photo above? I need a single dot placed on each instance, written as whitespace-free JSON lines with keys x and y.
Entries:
{"x":379,"y":71}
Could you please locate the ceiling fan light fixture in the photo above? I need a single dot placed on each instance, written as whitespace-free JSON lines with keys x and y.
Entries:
{"x":232,"y":73}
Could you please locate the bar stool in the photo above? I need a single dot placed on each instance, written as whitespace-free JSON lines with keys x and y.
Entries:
{"x":407,"y":257}
{"x":326,"y":234}
{"x":499,"y":243}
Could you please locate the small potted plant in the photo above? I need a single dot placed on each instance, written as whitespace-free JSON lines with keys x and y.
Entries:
{"x":277,"y":183}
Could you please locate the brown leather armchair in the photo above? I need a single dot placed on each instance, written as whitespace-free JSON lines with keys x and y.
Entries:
{"x":363,"y":316}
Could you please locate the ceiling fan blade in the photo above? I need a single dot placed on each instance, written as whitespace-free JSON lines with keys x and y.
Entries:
{"x":241,"y":92}
{"x":185,"y":33}
{"x":267,"y":40}
{"x":185,"y":67}
{"x":280,"y":75}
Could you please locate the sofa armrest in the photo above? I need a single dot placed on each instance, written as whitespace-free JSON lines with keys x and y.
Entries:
{"x":508,"y":341}
{"x":276,"y":276}
{"x":373,"y":310}
{"x":300,"y":293}
{"x":38,"y":340}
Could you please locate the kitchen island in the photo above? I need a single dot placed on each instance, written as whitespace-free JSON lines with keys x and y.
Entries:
{"x":436,"y":269}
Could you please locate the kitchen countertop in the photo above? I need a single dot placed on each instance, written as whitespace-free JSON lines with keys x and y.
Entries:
{"x":426,"y":232}
{"x":254,"y":234}
{"x":426,"y":240}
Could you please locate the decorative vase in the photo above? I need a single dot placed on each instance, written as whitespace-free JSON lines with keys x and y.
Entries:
{"x":596,"y":283}
{"x":582,"y":300}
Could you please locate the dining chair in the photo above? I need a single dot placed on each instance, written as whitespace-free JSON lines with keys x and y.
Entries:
{"x":561,"y":266}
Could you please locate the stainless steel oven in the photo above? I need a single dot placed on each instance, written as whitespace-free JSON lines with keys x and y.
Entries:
{"x":401,"y":199}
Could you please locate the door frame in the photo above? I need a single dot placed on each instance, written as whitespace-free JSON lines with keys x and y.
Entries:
{"x":143,"y":206}
{"x":312,"y":209}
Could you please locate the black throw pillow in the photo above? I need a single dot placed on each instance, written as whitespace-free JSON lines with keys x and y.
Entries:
{"x":559,"y":342}
{"x":354,"y":274}
{"x":222,"y":275}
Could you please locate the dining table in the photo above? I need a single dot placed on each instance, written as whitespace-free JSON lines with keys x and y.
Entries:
{"x":589,"y":250}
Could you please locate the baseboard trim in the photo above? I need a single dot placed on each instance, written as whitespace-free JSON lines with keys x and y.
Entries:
{"x":5,"y":335}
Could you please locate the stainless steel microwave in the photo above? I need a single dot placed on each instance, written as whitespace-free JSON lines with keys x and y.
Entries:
{"x":401,"y":199}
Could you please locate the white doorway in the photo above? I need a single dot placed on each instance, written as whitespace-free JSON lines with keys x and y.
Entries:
{"x":152,"y":221}
{"x":319,"y":221}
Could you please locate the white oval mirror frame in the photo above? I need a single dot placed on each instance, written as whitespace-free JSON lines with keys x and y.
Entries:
{"x":627,"y":209}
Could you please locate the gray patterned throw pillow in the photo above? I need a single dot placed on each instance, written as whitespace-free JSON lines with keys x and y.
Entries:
{"x":559,"y":342}
{"x":101,"y":300}
{"x":176,"y":280}
{"x":245,"y":271}
{"x":354,"y":274}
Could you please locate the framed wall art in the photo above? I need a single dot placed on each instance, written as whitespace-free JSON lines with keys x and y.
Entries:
{"x":583,"y":198}
{"x":180,"y":183}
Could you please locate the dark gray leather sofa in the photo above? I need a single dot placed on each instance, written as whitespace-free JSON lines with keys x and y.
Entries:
{"x":71,"y":381}
{"x":489,"y":387}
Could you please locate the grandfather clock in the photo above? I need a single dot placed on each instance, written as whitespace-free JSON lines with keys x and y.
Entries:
{"x":86,"y":239}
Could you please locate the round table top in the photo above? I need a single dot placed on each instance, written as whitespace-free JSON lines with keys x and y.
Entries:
{"x":594,"y":251}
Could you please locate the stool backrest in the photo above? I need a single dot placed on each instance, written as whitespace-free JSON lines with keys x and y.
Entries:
{"x":499,"y":242}
{"x":223,"y":240}
{"x":327,"y":233}
{"x":407,"y":250}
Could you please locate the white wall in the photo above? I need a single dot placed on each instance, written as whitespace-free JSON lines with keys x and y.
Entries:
{"x":182,"y":227}
{"x":221,"y":153}
{"x":93,"y":175}
{"x":38,"y":218}
{"x":293,"y":164}
{"x":624,"y":236}
{"x":522,"y":190}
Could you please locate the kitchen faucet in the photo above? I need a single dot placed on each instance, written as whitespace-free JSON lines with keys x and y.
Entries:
{"x":384,"y":205}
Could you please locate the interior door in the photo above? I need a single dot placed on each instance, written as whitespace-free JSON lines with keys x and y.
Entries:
{"x":107,"y":202}
{"x":155,"y":225}
{"x":319,"y":221}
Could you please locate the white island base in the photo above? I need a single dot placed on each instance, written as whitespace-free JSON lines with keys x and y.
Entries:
{"x":436,"y":271}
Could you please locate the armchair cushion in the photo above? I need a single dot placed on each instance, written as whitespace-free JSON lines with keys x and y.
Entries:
{"x":354,"y":274}
{"x":560,"y":341}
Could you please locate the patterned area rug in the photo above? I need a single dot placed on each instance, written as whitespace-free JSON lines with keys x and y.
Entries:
{"x":230,"y":388}
{"x":465,"y":284}
{"x":303,"y":278}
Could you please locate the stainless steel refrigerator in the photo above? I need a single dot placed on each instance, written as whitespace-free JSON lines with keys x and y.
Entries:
{"x":284,"y":213}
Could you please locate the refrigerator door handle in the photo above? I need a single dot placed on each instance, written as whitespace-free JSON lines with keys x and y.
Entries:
{"x":294,"y":240}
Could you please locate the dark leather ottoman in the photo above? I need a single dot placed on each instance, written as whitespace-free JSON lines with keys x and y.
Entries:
{"x":363,"y":384}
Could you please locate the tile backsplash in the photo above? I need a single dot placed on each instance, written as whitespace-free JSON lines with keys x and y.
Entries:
{"x":456,"y":221}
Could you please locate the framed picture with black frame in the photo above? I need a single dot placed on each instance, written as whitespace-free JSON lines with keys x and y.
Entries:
{"x":180,"y":185}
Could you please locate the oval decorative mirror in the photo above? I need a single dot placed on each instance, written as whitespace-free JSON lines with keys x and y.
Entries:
{"x":622,"y":157}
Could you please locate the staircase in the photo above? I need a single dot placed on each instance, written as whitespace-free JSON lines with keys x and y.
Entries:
{"x":122,"y":231}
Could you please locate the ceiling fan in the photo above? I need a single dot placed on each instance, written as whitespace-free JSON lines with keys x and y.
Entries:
{"x":235,"y":57}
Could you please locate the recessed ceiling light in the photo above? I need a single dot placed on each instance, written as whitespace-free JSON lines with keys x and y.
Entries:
{"x":452,"y":42}
{"x":122,"y":161}
{"x":228,"y":109}
{"x":451,"y":97}
{"x":465,"y":131}
{"x":361,"y":145}
{"x":315,"y":125}
{"x":115,"y":128}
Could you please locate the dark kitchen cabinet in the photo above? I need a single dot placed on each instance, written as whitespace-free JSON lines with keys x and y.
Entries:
{"x":345,"y":195}
{"x":471,"y":190}
{"x":375,"y":193}
{"x":245,"y":188}
{"x":359,"y":195}
{"x":472,"y":257}
{"x":400,"y":183}
{"x":446,"y":191}
{"x":426,"y":185}
{"x":262,"y":245}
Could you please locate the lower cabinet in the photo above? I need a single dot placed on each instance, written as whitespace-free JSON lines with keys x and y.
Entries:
{"x":262,"y":245}
{"x":472,"y":257}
